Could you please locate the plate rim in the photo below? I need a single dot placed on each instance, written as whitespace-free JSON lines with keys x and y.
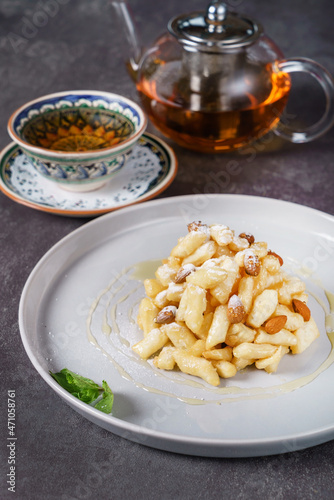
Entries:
{"x":215,"y":447}
{"x":173,"y":169}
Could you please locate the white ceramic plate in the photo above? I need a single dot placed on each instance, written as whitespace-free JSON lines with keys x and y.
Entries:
{"x":85,"y":279}
{"x":150,"y":168}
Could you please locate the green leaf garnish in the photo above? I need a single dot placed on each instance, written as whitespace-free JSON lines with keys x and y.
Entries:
{"x":105,"y":404}
{"x":85,"y":389}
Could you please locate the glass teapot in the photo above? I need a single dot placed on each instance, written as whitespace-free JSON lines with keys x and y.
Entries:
{"x":215,"y":82}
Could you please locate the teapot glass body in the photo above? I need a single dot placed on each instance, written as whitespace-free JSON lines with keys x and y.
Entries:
{"x":212,"y":102}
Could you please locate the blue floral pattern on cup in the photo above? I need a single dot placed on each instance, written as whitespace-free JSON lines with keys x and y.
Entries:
{"x":83,"y":169}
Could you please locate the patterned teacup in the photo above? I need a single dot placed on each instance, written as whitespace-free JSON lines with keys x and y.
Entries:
{"x":78,"y":139}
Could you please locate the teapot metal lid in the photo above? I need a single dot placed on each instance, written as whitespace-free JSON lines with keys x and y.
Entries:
{"x":215,"y":30}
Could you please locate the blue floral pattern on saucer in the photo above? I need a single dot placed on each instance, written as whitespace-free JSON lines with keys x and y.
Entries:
{"x":150,"y":168}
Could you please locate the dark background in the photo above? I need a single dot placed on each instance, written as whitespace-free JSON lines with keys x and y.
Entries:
{"x":60,"y":455}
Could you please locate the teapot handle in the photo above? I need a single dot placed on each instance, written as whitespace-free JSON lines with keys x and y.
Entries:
{"x":327,"y":83}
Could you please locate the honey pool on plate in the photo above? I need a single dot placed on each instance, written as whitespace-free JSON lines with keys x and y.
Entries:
{"x":112,"y":329}
{"x":79,"y":129}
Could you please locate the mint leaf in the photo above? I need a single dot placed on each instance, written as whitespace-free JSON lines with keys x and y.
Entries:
{"x":105,"y":404}
{"x":85,"y":389}
{"x":82,"y":388}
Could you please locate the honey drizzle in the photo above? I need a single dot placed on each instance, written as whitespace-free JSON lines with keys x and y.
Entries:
{"x":146,"y":269}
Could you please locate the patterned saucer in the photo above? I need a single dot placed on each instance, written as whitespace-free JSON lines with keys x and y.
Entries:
{"x":149,"y":170}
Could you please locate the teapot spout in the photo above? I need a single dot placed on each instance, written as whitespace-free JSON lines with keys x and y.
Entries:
{"x":125,"y":18}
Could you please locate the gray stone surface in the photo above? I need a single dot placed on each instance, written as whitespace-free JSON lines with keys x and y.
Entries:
{"x":78,"y":45}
